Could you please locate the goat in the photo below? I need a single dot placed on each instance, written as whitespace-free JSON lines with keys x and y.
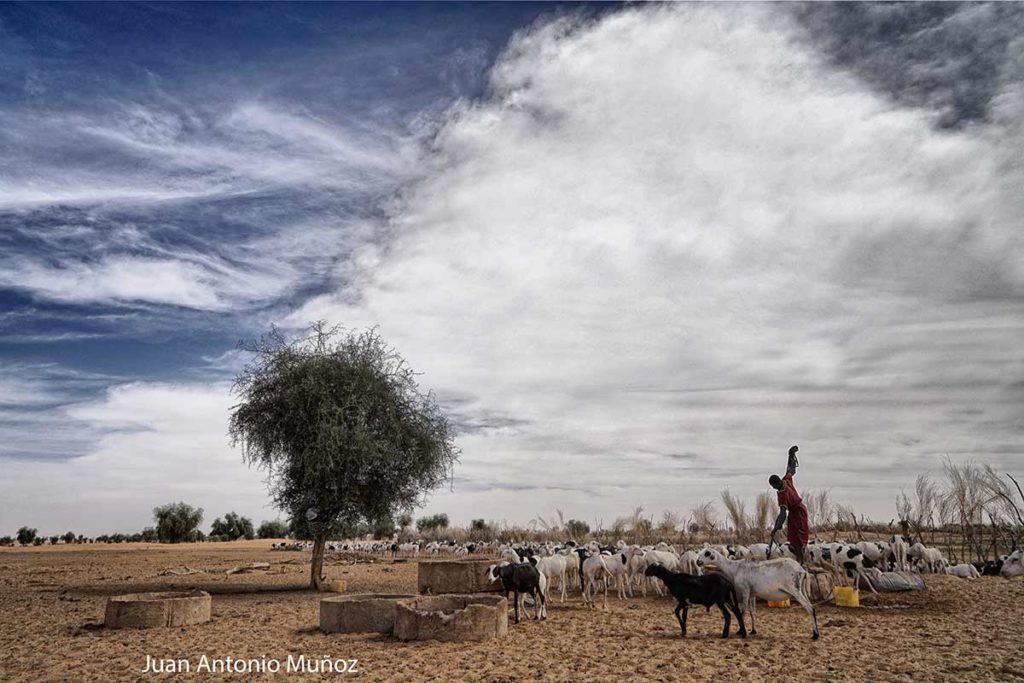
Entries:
{"x":1013,"y":565}
{"x":990,"y":567}
{"x":899,"y":548}
{"x":758,"y":551}
{"x":601,"y":566}
{"x":708,"y":590}
{"x":688,"y":563}
{"x":927,"y":559}
{"x":769,"y":580}
{"x":521,"y":580}
{"x":964,"y":571}
{"x":854,"y":565}
{"x":551,"y":567}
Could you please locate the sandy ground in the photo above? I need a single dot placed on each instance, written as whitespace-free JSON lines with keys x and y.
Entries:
{"x":52,"y":600}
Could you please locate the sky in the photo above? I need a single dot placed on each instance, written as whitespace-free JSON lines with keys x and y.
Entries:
{"x":636,"y":251}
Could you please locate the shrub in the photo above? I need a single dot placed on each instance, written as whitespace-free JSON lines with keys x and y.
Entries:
{"x":432,"y":523}
{"x":577,"y":529}
{"x":26,"y":535}
{"x":232,"y":527}
{"x":177,"y":522}
{"x":480,"y":528}
{"x":275,"y":529}
{"x":383,"y":527}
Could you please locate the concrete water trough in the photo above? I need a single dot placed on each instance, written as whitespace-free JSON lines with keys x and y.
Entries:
{"x":360,"y":613}
{"x":451,"y":618}
{"x":455,"y":576}
{"x":151,"y":610}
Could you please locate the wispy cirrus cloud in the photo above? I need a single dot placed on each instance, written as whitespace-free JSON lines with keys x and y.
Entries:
{"x":155,"y":188}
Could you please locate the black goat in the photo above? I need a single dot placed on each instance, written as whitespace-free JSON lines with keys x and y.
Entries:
{"x":521,"y":579}
{"x":710,"y":589}
{"x":989,"y":567}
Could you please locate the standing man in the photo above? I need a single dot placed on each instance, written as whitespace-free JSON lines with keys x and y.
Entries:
{"x":797,"y":530}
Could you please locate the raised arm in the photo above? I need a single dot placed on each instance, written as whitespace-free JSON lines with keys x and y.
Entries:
{"x":793,"y":462}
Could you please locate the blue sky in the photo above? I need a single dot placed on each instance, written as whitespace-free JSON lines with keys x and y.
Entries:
{"x":637,"y":251}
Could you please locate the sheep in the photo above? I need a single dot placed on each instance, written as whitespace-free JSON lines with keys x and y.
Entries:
{"x":964,"y":571}
{"x":521,"y":580}
{"x":769,"y":580}
{"x":712,"y":589}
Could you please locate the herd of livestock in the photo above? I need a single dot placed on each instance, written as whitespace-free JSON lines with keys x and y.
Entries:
{"x":727,"y":576}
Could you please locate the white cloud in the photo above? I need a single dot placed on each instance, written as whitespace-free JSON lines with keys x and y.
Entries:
{"x":689,"y":198}
{"x":669,"y":244}
{"x":158,"y":443}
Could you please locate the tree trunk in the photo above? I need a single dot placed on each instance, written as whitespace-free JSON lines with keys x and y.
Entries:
{"x":317,"y":565}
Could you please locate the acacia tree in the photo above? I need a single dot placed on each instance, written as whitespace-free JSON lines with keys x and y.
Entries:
{"x":232,"y":527}
{"x":339,"y":423}
{"x":177,"y":522}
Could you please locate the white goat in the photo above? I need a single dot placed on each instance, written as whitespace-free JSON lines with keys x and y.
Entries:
{"x":688,"y":563}
{"x":605,"y":567}
{"x":899,"y":548}
{"x":964,"y":571}
{"x":928,"y":559}
{"x":552,"y":567}
{"x":758,"y":551}
{"x":1013,"y":565}
{"x":769,"y":580}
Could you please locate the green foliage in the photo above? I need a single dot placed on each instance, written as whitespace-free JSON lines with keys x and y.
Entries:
{"x":149,"y":535}
{"x":432,"y":523}
{"x":479,"y":528}
{"x":69,"y":537}
{"x":274,"y":529}
{"x":577,"y":529}
{"x":178,"y":523}
{"x":26,"y":535}
{"x":405,"y":520}
{"x":340,"y":424}
{"x":6,"y":540}
{"x":384,"y":527}
{"x":54,"y":539}
{"x":232,"y":527}
{"x":38,"y":540}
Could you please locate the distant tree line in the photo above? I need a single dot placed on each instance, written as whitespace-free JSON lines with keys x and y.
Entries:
{"x":175,"y":523}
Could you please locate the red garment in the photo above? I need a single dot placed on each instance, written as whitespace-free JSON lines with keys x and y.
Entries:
{"x":798,"y":531}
